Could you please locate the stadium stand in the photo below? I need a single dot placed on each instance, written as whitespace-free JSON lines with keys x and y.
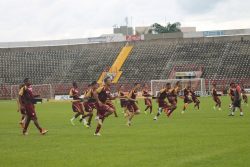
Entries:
{"x":221,"y":58}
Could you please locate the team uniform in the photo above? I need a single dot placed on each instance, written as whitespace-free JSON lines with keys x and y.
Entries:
{"x":244,"y":96}
{"x":237,"y":100}
{"x":147,"y":100}
{"x":89,"y":105}
{"x":123,"y":100}
{"x":104,"y":96}
{"x":162,"y":104}
{"x":172,"y":98}
{"x":77,"y":106}
{"x":21,"y":110}
{"x":195,"y":100}
{"x":104,"y":109}
{"x":27,"y":98}
{"x":187,"y":97}
{"x":216,"y":99}
{"x":132,"y":106}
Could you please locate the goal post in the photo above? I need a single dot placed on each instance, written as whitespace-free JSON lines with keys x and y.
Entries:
{"x":197,"y":83}
{"x":45,"y":91}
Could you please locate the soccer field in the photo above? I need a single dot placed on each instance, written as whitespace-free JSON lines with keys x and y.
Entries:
{"x":197,"y":138}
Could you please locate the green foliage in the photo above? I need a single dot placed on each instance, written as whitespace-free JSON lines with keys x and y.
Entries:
{"x":170,"y":28}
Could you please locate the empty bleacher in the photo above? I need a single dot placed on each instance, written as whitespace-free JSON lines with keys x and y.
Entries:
{"x":82,"y":63}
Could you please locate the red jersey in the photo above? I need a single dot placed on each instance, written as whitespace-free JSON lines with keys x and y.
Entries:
{"x":104,"y":94}
{"x":74,"y":92}
{"x":26,"y":94}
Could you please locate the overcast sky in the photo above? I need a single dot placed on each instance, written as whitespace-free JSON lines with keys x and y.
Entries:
{"x":25,"y":20}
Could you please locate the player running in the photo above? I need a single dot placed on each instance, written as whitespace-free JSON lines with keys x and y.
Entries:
{"x":147,"y":100}
{"x":187,"y":98}
{"x":77,"y":105}
{"x":216,"y":97}
{"x":123,"y":99}
{"x":103,"y":105}
{"x":132,"y":106}
{"x":237,"y":99}
{"x":244,"y":96}
{"x":162,"y":104}
{"x":172,"y":98}
{"x":195,"y":99}
{"x":27,"y":100}
{"x":21,"y":109}
{"x":89,"y":103}
{"x":231,"y":94}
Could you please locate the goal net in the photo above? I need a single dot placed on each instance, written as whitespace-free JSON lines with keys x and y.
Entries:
{"x":44,"y":90}
{"x":198,"y":84}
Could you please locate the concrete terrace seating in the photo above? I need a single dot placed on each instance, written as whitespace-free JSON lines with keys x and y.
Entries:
{"x":223,"y":59}
{"x":62,"y":64}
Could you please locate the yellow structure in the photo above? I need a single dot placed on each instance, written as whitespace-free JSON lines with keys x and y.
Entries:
{"x":117,"y":65}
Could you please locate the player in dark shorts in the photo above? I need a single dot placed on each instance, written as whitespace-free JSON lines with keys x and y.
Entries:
{"x":187,"y":98}
{"x":231,"y":94}
{"x":147,"y":100}
{"x":237,"y":99}
{"x":132,"y":107}
{"x":89,"y":103}
{"x":77,"y":106}
{"x":26,"y":99}
{"x":172,"y":97}
{"x":195,"y":99}
{"x":216,"y":98}
{"x":21,"y":109}
{"x":103,"y":105}
{"x":162,"y":104}
{"x":123,"y":99}
{"x":244,"y":96}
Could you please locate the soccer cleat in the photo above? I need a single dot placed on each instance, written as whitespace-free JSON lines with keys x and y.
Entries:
{"x":155,"y":118}
{"x":182,"y":112}
{"x":231,"y":115}
{"x":72,"y":121}
{"x":97,"y":134}
{"x":97,"y":118}
{"x":43,"y":131}
{"x":25,"y":133}
{"x":241,"y":114}
{"x":219,"y":109}
{"x":128,"y":123}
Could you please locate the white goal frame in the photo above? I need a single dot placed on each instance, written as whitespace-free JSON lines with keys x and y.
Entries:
{"x":157,"y":85}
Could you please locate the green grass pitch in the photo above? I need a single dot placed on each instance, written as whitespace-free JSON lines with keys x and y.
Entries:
{"x":202,"y":138}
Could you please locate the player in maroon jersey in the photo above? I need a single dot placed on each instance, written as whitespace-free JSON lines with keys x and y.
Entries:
{"x":89,"y":103}
{"x":162,"y":104}
{"x":216,"y":97}
{"x":231,"y":94}
{"x":195,"y":99}
{"x":244,"y":96}
{"x":123,"y":99}
{"x":21,"y":109}
{"x":26,"y":99}
{"x":172,"y":98}
{"x":103,"y":105}
{"x":77,"y":106}
{"x":187,"y":98}
{"x":147,"y":100}
{"x":237,"y":99}
{"x":132,"y":106}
